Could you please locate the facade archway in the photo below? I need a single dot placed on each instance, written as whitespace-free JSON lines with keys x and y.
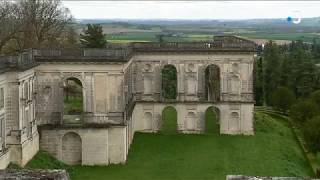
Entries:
{"x":212,"y":120}
{"x":212,"y":83}
{"x":169,"y":120}
{"x":73,"y":104}
{"x":71,"y":148}
{"x":169,"y":82}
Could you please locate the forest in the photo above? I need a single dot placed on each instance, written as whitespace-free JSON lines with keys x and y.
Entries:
{"x":287,"y":78}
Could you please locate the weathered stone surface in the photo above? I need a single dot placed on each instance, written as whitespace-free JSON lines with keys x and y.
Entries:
{"x":34,"y":174}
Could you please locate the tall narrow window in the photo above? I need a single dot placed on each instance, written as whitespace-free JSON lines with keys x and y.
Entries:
{"x":212,"y":81}
{"x":1,"y":98}
{"x":73,"y":102}
{"x":25,"y":90}
{"x":147,"y":85}
{"x":169,"y":82}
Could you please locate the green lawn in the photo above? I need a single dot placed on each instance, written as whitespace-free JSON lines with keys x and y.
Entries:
{"x":152,"y":36}
{"x":272,"y":151}
{"x":307,"y":37}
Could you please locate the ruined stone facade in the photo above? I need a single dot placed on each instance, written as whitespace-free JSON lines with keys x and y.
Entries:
{"x":121,"y":95}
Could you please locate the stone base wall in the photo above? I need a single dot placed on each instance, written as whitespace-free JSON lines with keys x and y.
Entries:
{"x":30,"y":149}
{"x":235,"y":118}
{"x":4,"y":159}
{"x":99,"y":146}
{"x":22,"y":153}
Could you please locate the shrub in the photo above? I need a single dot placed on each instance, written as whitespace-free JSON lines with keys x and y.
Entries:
{"x":318,"y":157}
{"x":282,"y":99}
{"x":312,"y":134}
{"x":315,"y":96}
{"x":303,"y":110}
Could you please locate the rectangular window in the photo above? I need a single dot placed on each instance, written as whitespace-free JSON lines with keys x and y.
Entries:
{"x":1,"y":131}
{"x":26,"y":90}
{"x":1,"y":98}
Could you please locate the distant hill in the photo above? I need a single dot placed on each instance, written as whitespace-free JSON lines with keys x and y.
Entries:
{"x":314,"y":22}
{"x":128,"y":30}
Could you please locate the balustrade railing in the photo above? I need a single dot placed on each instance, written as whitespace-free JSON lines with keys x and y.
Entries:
{"x":91,"y":118}
{"x":111,"y":117}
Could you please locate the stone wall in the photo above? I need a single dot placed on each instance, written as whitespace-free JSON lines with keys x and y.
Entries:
{"x":22,"y":153}
{"x":144,"y":82}
{"x":99,"y":146}
{"x":235,"y":76}
{"x":4,"y":159}
{"x":102,"y":91}
{"x":34,"y":174}
{"x":234,"y":118}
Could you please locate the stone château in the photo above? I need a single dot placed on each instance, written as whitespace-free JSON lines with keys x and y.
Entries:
{"x":122,"y":90}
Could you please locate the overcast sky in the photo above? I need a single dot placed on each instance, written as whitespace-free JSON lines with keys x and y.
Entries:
{"x":192,"y":9}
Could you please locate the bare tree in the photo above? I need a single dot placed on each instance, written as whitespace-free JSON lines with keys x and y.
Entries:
{"x":38,"y":23}
{"x":10,"y":21}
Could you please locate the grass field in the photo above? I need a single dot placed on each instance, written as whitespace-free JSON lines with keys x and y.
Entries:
{"x":187,"y":37}
{"x":272,"y":151}
{"x":307,"y":37}
{"x":151,"y":37}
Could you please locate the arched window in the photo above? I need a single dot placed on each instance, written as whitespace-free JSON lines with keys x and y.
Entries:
{"x":212,"y":83}
{"x":169,"y":82}
{"x":73,"y":100}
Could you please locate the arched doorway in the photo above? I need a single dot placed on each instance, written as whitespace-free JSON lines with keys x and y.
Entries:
{"x":212,"y":83}
{"x":73,"y":101}
{"x":212,"y":120}
{"x":169,"y":120}
{"x":169,"y":82}
{"x":71,"y":148}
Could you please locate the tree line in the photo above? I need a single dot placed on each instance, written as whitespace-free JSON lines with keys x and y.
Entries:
{"x":287,"y":77}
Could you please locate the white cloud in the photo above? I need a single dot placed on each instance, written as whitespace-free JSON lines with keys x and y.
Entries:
{"x":191,"y":9}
